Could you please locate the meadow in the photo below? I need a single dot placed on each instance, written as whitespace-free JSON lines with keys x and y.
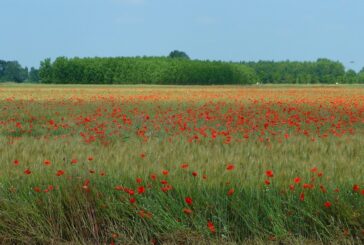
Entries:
{"x":181,"y":164}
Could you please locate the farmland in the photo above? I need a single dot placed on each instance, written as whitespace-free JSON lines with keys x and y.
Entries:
{"x":188,"y":164}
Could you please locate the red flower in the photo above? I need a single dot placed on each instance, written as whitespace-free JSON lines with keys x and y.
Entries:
{"x":291,"y":187}
{"x":141,"y":189}
{"x":362,"y":192}
{"x":37,"y":189}
{"x":187,"y":211}
{"x":297,"y":180}
{"x":47,"y":162}
{"x":269,"y":173}
{"x":119,"y":188}
{"x":327,"y":204}
{"x":194,"y":174}
{"x":74,"y":161}
{"x":302,"y":196}
{"x":231,"y":192}
{"x":185,"y":165}
{"x":85,"y":184}
{"x":142,"y":155}
{"x":188,"y":200}
{"x":132,"y":200}
{"x":27,"y":171}
{"x":211,"y":226}
{"x":230,"y":167}
{"x":60,"y":173}
{"x":267,"y":182}
{"x":313,"y":170}
{"x":153,"y":176}
{"x":356,"y":188}
{"x":90,"y":158}
{"x":165,"y":172}
{"x":139,"y":180}
{"x":16,"y":162}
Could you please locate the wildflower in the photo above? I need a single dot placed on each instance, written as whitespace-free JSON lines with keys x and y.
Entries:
{"x":297,"y":180}
{"x":231,"y":192}
{"x":269,"y":173}
{"x":327,"y":204}
{"x":230,"y":167}
{"x":27,"y":171}
{"x":302,"y":196}
{"x":59,"y":173}
{"x":188,"y":200}
{"x":211,"y":226}
{"x":47,"y":162}
{"x":141,"y":189}
{"x":187,"y":211}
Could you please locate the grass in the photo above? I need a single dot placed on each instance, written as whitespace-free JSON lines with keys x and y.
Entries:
{"x":139,"y":132}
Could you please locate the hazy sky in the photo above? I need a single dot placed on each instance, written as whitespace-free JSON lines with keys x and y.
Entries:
{"x":32,"y":30}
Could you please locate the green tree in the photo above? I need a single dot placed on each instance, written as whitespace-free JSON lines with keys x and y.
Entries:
{"x":351,"y":77}
{"x":33,"y":75}
{"x":178,"y":54}
{"x":45,"y":71}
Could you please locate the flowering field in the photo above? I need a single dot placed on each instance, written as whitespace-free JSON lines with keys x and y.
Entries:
{"x":155,"y":165}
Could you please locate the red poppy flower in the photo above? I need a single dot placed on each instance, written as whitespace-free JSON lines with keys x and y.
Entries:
{"x":153,"y":176}
{"x":132,"y":200}
{"x":327,"y":204}
{"x":90,"y":158}
{"x":211,"y":226}
{"x":194,"y":174}
{"x":119,"y":188}
{"x":60,"y":173}
{"x":188,"y":200}
{"x":165,"y":172}
{"x":27,"y":171}
{"x":187,"y":211}
{"x":16,"y":162}
{"x":47,"y":162}
{"x":37,"y":189}
{"x":297,"y":180}
{"x":231,"y":192}
{"x":267,"y":182}
{"x":139,"y":180}
{"x":269,"y":173}
{"x":230,"y":167}
{"x":302,"y":196}
{"x":141,"y":189}
{"x":356,"y":188}
{"x":74,"y":161}
{"x":185,"y":165}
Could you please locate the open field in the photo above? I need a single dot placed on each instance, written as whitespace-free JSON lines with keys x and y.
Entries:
{"x":186,"y":165}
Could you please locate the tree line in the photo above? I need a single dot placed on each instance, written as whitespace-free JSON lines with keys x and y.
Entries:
{"x":178,"y":68}
{"x":12,"y":71}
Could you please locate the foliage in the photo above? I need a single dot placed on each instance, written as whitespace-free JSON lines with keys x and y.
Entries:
{"x":145,"y":70}
{"x":178,"y":54}
{"x":322,"y":71}
{"x":12,"y":71}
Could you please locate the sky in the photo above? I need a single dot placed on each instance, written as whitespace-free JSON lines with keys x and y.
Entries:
{"x":229,"y":30}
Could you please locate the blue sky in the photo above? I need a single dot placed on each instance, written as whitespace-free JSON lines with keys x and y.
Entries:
{"x":32,"y":30}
